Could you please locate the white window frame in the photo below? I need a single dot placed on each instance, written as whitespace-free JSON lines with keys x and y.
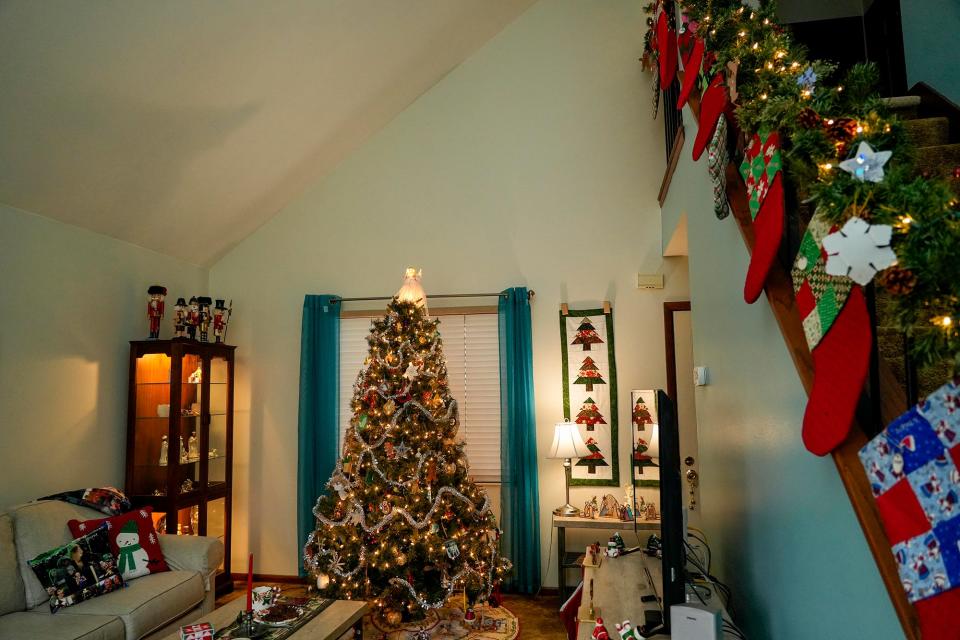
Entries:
{"x":477,"y":396}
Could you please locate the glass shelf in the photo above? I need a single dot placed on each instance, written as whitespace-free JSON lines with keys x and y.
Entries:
{"x":219,"y":456}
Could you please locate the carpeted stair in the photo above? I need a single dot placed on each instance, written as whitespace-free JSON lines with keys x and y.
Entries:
{"x":938,"y":153}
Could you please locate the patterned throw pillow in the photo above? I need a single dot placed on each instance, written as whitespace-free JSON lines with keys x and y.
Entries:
{"x":109,"y":501}
{"x":133,"y":540}
{"x":79,"y":570}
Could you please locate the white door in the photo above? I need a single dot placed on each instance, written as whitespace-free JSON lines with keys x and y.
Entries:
{"x":687,"y":414}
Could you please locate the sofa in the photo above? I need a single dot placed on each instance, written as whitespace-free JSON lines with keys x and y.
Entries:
{"x":148,"y":607}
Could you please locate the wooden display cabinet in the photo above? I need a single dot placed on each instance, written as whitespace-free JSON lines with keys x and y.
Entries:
{"x":182,"y":390}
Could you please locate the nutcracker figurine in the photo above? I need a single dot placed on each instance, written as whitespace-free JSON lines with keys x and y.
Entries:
{"x":205,"y":316}
{"x":193,"y":318}
{"x":221,"y":316}
{"x":180,"y":319}
{"x":155,"y":309}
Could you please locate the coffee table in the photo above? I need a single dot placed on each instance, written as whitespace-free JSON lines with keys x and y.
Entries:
{"x":329,"y":624}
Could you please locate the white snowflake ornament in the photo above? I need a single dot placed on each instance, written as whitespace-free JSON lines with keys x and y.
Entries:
{"x":859,"y":250}
{"x":867,"y":165}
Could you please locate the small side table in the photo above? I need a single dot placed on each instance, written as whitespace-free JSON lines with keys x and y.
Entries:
{"x":570,"y":560}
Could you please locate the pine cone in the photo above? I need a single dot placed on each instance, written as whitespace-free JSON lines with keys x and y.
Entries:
{"x":809,"y":119}
{"x":899,"y":282}
{"x":842,"y":129}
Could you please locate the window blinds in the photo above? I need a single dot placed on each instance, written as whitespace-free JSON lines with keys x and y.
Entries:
{"x":471,"y":346}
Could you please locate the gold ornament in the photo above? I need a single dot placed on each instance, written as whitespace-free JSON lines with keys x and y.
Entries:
{"x":389,"y":408}
{"x":401,"y":559}
{"x":422,"y":340}
{"x":391,"y":358}
{"x":449,"y":468}
{"x":393,"y":617}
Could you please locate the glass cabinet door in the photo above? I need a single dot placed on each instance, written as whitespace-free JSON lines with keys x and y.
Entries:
{"x":152,"y":420}
{"x":217,"y":522}
{"x":217,"y":441}
{"x":187,"y":447}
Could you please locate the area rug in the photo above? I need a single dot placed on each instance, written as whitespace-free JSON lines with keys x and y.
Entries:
{"x":447,"y":623}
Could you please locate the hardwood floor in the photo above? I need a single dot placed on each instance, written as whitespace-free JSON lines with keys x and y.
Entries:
{"x":539,"y":619}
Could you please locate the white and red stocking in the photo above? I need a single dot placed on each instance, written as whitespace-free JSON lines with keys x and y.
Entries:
{"x":912,"y":467}
{"x":712,"y":104}
{"x":761,"y":171}
{"x":837,"y":328}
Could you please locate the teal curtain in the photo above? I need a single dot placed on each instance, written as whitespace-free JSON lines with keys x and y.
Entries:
{"x":520,"y":494}
{"x":319,"y":382}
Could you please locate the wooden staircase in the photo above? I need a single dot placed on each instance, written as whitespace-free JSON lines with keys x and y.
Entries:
{"x":934,"y":125}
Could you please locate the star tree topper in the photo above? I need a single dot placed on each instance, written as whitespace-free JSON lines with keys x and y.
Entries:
{"x":867,"y":165}
{"x":859,"y":250}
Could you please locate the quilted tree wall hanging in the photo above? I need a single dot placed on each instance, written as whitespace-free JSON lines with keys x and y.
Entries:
{"x":645,"y":454}
{"x":590,"y":392}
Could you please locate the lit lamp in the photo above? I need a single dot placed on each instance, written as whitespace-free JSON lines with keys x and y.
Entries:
{"x":567,"y":444}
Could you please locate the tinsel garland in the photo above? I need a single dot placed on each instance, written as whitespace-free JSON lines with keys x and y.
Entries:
{"x":821,"y":124}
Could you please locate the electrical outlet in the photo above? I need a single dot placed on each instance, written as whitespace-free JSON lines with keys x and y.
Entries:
{"x":649,"y":281}
{"x":699,"y":376}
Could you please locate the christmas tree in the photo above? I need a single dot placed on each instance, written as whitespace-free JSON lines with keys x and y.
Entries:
{"x":589,"y":415}
{"x":589,"y":374}
{"x":641,"y":415}
{"x":402,"y":524}
{"x":586,"y":335}
{"x":640,"y":457}
{"x":595,"y":459}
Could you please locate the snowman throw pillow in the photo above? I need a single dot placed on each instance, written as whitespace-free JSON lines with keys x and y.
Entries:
{"x":133,"y":539}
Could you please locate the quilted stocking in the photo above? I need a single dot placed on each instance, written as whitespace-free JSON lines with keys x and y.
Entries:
{"x":717,"y":159}
{"x":912,"y":466}
{"x":761,"y":173}
{"x":837,"y":328}
{"x":667,"y":48}
{"x":691,"y":71}
{"x":712,"y":104}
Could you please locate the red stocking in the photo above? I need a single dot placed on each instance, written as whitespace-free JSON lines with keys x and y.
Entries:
{"x":840,"y":364}
{"x":691,"y":70}
{"x":767,"y":232}
{"x":667,"y":44}
{"x":711,"y":106}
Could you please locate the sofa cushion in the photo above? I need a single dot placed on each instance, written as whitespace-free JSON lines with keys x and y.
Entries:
{"x":145,"y":604}
{"x":63,"y":626}
{"x":11,"y":585}
{"x":133,"y":539}
{"x":39,"y":527}
{"x":79,"y":570}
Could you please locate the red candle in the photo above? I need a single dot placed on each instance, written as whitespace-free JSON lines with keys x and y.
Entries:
{"x":250,"y":584}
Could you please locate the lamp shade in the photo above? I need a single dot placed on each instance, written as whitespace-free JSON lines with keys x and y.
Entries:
{"x":567,"y":442}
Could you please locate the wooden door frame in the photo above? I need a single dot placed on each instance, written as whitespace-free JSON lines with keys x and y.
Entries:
{"x":670,"y":344}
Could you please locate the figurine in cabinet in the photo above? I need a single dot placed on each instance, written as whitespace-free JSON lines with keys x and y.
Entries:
{"x":155,"y":309}
{"x":164,"y":450}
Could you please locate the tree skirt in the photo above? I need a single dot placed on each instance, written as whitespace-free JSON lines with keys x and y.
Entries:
{"x":447,"y":623}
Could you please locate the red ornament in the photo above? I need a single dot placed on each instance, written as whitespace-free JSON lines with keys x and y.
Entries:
{"x":956,"y":173}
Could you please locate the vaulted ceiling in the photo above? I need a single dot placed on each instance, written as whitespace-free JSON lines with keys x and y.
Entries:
{"x":184,"y":125}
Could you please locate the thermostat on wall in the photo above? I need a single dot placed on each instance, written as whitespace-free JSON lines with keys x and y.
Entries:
{"x":649,"y":281}
{"x":699,"y":376}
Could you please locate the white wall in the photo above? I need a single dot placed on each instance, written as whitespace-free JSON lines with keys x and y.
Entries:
{"x":534,"y":163}
{"x":70,"y":299}
{"x":781,"y":527}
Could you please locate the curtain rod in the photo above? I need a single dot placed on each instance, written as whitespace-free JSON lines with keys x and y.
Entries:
{"x":530,"y":296}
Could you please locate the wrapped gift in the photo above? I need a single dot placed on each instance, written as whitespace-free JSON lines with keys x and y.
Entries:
{"x":199,"y":631}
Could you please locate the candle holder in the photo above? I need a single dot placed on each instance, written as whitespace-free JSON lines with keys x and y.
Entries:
{"x":247,"y":627}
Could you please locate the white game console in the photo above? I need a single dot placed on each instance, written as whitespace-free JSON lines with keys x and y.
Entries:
{"x":689,"y":622}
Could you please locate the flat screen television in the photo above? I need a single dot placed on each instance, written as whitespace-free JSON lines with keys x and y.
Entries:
{"x":672,"y":528}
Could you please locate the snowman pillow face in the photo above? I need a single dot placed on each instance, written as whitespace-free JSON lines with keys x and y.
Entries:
{"x":133,"y":540}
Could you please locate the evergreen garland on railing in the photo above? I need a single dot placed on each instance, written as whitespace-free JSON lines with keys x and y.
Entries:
{"x":774,"y":86}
